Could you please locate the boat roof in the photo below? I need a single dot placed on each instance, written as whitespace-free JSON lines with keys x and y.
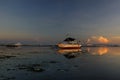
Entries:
{"x":69,"y":39}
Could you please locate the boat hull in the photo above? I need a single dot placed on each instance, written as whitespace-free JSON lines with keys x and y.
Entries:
{"x":13,"y":45}
{"x":69,"y":46}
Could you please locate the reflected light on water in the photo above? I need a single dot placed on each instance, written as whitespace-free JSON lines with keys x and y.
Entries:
{"x":102,"y":50}
{"x":70,"y":53}
{"x":93,"y":51}
{"x":90,"y":50}
{"x":98,"y":51}
{"x":63,"y":51}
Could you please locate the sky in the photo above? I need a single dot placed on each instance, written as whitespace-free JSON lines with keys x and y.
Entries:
{"x":48,"y":21}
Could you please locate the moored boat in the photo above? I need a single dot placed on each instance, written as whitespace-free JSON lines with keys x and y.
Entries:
{"x":14,"y":45}
{"x":69,"y":43}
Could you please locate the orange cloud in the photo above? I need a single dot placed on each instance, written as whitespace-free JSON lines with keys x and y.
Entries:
{"x":99,"y":39}
{"x":102,"y":39}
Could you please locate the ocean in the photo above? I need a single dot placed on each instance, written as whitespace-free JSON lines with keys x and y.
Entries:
{"x":50,"y":63}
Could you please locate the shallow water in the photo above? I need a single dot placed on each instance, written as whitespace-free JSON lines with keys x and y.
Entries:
{"x":46,"y":63}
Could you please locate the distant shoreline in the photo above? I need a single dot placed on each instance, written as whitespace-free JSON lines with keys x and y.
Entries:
{"x":37,"y":45}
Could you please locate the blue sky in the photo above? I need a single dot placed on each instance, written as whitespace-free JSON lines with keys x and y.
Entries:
{"x":48,"y":21}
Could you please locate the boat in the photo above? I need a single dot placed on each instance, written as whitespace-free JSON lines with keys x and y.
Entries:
{"x":69,"y":43}
{"x":14,"y":45}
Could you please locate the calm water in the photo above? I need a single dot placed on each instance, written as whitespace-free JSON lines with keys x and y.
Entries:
{"x":46,"y":63}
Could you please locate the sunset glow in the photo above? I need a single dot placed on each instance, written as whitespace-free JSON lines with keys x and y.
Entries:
{"x":99,"y":39}
{"x":48,"y":21}
{"x":102,"y":50}
{"x":102,"y":39}
{"x":60,"y":39}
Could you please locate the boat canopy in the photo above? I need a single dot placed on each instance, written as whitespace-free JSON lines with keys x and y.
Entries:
{"x":69,"y":39}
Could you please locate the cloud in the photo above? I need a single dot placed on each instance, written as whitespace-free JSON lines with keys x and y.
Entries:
{"x":94,"y":37}
{"x":102,"y":39}
{"x":99,"y":39}
{"x":116,"y":37}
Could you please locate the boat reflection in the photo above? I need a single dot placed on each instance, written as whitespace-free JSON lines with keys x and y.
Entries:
{"x":70,"y":53}
{"x":64,"y":51}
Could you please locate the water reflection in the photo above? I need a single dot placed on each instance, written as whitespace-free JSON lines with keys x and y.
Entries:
{"x":98,"y":51}
{"x":87,"y":63}
{"x":70,"y":53}
{"x":102,"y":51}
{"x":64,"y":51}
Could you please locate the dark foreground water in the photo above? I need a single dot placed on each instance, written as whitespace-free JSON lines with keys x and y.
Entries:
{"x":46,"y":63}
